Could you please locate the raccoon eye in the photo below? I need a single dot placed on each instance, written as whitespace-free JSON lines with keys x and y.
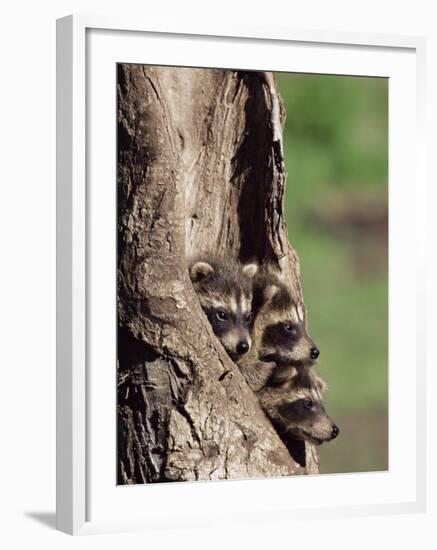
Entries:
{"x":221,"y":315}
{"x":289,"y":329}
{"x":308,"y":404}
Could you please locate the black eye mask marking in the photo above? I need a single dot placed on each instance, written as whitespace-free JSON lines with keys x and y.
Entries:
{"x":282,"y":334}
{"x":299,"y":410}
{"x":220,"y":320}
{"x":224,"y":321}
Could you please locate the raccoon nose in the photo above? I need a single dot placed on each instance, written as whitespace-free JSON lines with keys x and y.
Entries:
{"x":242,"y":347}
{"x":315,"y":352}
{"x":335,"y":431}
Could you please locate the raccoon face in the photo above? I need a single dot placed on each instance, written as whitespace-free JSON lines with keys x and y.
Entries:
{"x":286,"y":342}
{"x":224,"y":288}
{"x":304,"y":417}
{"x":297,"y":410}
{"x":231,"y":326}
{"x":285,"y":339}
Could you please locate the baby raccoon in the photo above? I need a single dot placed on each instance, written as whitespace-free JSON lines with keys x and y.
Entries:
{"x":224,"y":288}
{"x":280,"y":338}
{"x":296,"y":408}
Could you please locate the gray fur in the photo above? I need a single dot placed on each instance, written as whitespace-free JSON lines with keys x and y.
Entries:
{"x":224,"y":287}
{"x":271,"y":361}
{"x":284,"y":406}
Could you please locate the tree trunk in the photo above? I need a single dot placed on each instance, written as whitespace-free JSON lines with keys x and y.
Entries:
{"x":200,"y":169}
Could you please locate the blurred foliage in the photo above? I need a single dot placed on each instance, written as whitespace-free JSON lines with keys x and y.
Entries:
{"x":336,"y":152}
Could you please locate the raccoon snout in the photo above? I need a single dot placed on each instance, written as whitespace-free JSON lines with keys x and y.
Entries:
{"x":242,"y":347}
{"x":335,"y":431}
{"x":314,"y":352}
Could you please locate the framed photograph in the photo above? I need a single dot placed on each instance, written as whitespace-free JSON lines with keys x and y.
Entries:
{"x":240,"y":276}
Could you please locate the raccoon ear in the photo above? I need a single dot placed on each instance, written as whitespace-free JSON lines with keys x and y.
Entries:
{"x":321,"y":385}
{"x":287,"y":379}
{"x":270,"y":292}
{"x":250,"y":270}
{"x":200,"y":270}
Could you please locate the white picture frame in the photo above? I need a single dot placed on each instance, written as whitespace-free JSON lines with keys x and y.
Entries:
{"x":75,"y":463}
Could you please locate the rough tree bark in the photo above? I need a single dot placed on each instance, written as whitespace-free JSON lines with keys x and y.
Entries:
{"x":200,"y":168}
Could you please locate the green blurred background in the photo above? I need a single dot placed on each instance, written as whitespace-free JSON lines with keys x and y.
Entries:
{"x":336,"y":153}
